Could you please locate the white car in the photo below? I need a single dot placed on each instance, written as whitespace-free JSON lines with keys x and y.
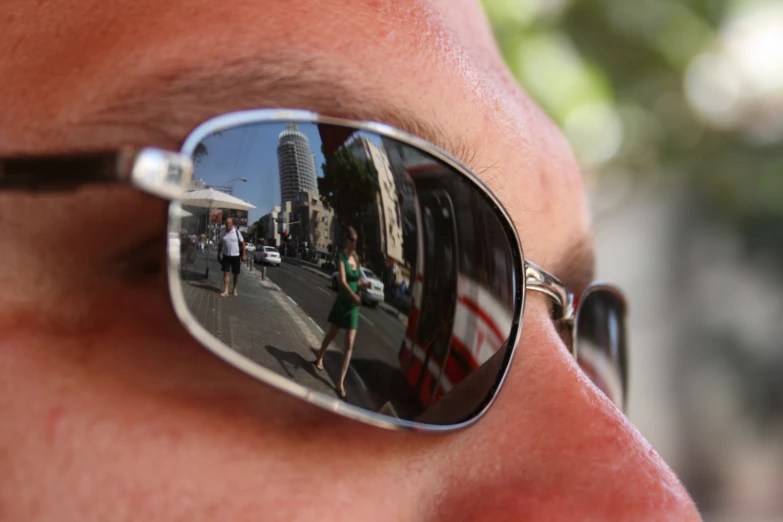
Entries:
{"x":267,"y":255}
{"x":371,"y":295}
{"x":374,"y":293}
{"x":251,"y":247}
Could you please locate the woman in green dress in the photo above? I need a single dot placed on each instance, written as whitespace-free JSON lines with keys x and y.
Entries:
{"x":345,"y":310}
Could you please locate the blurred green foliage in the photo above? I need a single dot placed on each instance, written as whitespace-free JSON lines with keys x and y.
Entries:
{"x":660,"y":90}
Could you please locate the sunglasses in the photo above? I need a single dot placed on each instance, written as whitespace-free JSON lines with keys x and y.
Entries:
{"x":443,"y":275}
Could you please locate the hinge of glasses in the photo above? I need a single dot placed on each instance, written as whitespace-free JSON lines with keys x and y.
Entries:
{"x":163,"y":173}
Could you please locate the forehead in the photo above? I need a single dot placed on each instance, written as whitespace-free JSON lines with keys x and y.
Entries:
{"x":120,"y":75}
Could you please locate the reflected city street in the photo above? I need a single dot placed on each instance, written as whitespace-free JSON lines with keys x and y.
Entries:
{"x":279,"y":323}
{"x":324,"y":227}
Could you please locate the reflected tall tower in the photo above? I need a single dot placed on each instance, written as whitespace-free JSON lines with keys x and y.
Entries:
{"x":296,"y":163}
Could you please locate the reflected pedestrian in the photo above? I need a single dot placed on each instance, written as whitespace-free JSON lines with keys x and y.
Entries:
{"x":345,"y":310}
{"x":187,"y":250}
{"x":233,"y":251}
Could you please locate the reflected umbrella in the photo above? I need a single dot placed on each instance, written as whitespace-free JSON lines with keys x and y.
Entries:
{"x":210,"y":198}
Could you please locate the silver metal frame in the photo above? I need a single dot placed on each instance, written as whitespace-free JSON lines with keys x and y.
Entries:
{"x":528,"y":275}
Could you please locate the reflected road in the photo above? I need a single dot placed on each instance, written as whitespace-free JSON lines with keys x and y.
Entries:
{"x":379,"y":334}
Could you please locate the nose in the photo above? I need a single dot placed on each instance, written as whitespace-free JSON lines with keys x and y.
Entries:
{"x":554,"y":448}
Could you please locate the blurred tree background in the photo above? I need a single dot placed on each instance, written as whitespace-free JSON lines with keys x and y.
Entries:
{"x":685,"y":95}
{"x":690,"y":91}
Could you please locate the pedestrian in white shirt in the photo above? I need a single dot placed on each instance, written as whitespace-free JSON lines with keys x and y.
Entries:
{"x":231,"y":253}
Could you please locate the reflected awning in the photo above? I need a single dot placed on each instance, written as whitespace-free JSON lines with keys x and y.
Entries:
{"x":211,"y":198}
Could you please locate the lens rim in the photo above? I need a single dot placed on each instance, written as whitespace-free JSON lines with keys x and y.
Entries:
{"x":240,"y":118}
{"x":592,"y":288}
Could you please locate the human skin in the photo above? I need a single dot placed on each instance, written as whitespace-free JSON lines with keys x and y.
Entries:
{"x":110,"y":411}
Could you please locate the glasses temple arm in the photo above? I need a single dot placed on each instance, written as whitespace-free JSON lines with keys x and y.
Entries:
{"x":159,"y":172}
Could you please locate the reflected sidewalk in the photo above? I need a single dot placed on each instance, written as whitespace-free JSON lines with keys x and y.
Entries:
{"x":266,"y":326}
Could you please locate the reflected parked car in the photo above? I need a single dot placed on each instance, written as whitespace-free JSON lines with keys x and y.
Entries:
{"x":251,"y":247}
{"x":371,"y":295}
{"x":267,"y":255}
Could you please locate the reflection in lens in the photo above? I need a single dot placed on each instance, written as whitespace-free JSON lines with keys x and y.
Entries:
{"x":331,"y":215}
{"x":601,"y":343}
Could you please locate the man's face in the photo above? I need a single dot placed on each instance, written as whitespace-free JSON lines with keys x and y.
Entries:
{"x":229,"y":224}
{"x":110,"y":410}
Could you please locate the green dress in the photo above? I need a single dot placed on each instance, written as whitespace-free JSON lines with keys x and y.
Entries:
{"x":345,"y":312}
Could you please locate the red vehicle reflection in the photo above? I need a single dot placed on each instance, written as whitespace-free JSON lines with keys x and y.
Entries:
{"x":465,"y":270}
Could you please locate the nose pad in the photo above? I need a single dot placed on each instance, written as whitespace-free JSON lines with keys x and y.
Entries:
{"x":554,"y":446}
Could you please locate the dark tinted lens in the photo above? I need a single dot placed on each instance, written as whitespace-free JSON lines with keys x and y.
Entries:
{"x":601,"y":341}
{"x":432,"y":266}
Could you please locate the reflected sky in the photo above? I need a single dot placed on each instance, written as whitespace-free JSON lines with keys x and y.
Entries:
{"x":251,"y":152}
{"x":244,"y":153}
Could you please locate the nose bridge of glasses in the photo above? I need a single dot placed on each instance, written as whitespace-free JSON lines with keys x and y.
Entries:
{"x":539,"y":280}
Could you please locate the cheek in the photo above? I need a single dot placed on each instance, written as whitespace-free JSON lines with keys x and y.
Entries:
{"x":58,"y":247}
{"x":108,"y":406}
{"x":133,"y":417}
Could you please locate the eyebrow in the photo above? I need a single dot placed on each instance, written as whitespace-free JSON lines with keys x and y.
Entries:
{"x":166,"y":106}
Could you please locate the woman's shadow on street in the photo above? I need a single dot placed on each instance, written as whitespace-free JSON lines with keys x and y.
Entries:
{"x":333,"y":360}
{"x":289,"y":360}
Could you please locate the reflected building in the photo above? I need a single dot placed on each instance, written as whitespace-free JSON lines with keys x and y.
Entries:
{"x":295,"y":163}
{"x":403,"y":161}
{"x":462,"y":262}
{"x":273,"y":231}
{"x":481,"y":254}
{"x":384,"y":236}
{"x":314,"y":224}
